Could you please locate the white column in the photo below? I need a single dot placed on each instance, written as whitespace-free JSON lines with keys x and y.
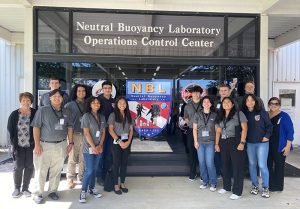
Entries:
{"x":264,"y":78}
{"x":28,"y":50}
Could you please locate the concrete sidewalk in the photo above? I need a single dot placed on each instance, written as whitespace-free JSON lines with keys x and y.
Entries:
{"x":155,"y":192}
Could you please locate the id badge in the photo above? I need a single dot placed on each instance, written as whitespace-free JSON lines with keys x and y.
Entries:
{"x":124,"y":136}
{"x":59,"y":127}
{"x":117,"y":141}
{"x":61,"y":121}
{"x":205,"y":133}
{"x":218,"y":106}
{"x":97,"y":133}
{"x":224,"y":136}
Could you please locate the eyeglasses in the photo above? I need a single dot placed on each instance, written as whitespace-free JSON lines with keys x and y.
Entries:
{"x":275,"y":104}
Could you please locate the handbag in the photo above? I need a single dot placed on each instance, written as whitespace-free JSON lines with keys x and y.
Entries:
{"x":109,"y":181}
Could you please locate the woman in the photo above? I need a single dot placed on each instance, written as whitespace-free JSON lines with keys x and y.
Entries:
{"x":93,"y":125}
{"x":230,"y":141}
{"x":21,"y":138}
{"x":121,"y":130}
{"x":204,"y":138}
{"x":258,"y":136}
{"x":280,"y":143}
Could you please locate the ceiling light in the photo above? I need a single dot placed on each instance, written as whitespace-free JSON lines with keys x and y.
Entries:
{"x":123,"y":73}
{"x":154,"y":74}
{"x":126,"y":78}
{"x":119,"y":68}
{"x":157,"y":69}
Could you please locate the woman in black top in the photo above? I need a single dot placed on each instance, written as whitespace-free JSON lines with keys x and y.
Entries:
{"x":21,"y":138}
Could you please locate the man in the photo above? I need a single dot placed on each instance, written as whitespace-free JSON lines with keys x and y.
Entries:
{"x":250,"y":89}
{"x":189,"y":112}
{"x":51,"y":126}
{"x":79,"y":94}
{"x":54,"y":83}
{"x":106,"y":109}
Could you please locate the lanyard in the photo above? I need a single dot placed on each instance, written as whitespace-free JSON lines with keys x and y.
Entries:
{"x":225,"y":122}
{"x":60,"y":111}
{"x":206,"y":118}
{"x":96,"y":120}
{"x":196,"y":110}
{"x":81,"y":112}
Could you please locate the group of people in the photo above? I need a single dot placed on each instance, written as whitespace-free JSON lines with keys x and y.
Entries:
{"x":95,"y":132}
{"x":226,"y":134}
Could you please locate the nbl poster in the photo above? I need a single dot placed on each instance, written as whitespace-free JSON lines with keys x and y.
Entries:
{"x":150,"y":105}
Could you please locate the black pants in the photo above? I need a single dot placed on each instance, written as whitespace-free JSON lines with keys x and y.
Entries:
{"x":106,"y":160}
{"x":23,"y":162}
{"x":193,"y":157}
{"x":232,"y":158}
{"x":120,"y":159}
{"x":276,"y":161}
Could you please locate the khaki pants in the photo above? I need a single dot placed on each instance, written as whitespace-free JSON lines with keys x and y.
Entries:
{"x":52,"y":159}
{"x":76,"y":156}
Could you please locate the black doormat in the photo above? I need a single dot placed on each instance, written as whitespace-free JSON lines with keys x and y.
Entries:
{"x":291,"y":171}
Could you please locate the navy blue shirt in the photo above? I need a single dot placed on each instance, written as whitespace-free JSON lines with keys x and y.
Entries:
{"x":107,"y":106}
{"x":259,"y":126}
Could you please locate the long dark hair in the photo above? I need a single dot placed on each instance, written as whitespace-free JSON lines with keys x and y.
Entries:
{"x":118,"y":115}
{"x":212,"y":107}
{"x":222,"y":113}
{"x":257,"y":107}
{"x":89,"y":101}
{"x":73,"y":93}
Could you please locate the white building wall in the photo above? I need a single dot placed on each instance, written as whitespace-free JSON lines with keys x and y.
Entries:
{"x":11,"y":82}
{"x":284,"y":73}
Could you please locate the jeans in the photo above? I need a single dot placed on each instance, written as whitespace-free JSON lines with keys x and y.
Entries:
{"x":91,"y":163}
{"x":258,"y":153}
{"x":106,"y":160}
{"x":206,"y":154}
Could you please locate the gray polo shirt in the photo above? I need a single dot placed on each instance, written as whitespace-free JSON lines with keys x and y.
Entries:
{"x":45,"y":99}
{"x":189,"y":112}
{"x":77,"y":110}
{"x":231,"y":124}
{"x":206,"y":127}
{"x":53,"y":124}
{"x":118,"y":127}
{"x":88,"y":121}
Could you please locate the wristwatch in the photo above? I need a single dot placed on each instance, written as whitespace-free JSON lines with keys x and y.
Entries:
{"x":242,"y":142}
{"x":71,"y":143}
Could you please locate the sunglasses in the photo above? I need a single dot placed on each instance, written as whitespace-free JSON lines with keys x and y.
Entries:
{"x":275,"y":104}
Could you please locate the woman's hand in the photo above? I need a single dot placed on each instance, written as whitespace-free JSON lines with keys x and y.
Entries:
{"x":286,"y":150}
{"x":196,"y":145}
{"x":99,"y":149}
{"x":124,"y":145}
{"x":265,"y":139}
{"x":240,"y":147}
{"x":95,"y":150}
{"x":217,"y":148}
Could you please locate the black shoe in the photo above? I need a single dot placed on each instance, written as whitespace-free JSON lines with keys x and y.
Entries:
{"x":124,"y":189}
{"x":16,"y":193}
{"x":53,"y":196}
{"x":118,"y":192}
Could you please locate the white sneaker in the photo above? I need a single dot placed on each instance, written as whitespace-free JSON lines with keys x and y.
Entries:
{"x":82,"y":197}
{"x":222,"y":191}
{"x":203,"y":186}
{"x":213,"y":188}
{"x":234,"y":197}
